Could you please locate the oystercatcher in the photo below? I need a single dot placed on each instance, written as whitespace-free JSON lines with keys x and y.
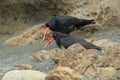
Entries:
{"x":65,"y":24}
{"x":66,"y":40}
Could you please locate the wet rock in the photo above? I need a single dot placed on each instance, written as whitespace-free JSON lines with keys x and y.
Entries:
{"x":77,"y":59}
{"x":23,"y":67}
{"x":32,"y":36}
{"x":63,"y":73}
{"x":54,"y":55}
{"x":24,"y":75}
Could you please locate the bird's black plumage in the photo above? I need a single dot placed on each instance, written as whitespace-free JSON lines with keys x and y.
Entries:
{"x":67,"y":40}
{"x":66,"y":24}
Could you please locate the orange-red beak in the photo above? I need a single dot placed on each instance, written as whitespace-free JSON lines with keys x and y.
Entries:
{"x":46,"y":32}
{"x":50,"y":41}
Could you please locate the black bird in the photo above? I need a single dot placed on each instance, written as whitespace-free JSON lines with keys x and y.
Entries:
{"x":65,"y":24}
{"x":66,"y":40}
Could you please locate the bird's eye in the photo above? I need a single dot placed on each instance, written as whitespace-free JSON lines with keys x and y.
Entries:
{"x":49,"y":24}
{"x":54,"y":35}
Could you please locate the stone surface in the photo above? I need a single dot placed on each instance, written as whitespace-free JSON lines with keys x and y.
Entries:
{"x":54,"y":55}
{"x":15,"y":14}
{"x":105,"y":44}
{"x":108,"y":73}
{"x":63,"y":73}
{"x":2,"y":72}
{"x":31,"y":36}
{"x":81,"y":62}
{"x":101,"y":73}
{"x":77,"y":59}
{"x":86,"y":62}
{"x":24,"y":75}
{"x":104,"y":11}
{"x":23,"y":67}
{"x":111,"y":58}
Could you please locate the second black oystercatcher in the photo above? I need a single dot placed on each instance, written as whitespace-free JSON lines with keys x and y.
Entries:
{"x":65,"y":24}
{"x":66,"y":40}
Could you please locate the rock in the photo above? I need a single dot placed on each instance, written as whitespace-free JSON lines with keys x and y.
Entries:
{"x":63,"y":73}
{"x":24,"y":75}
{"x":92,"y":71}
{"x":118,"y":74}
{"x":77,"y":59}
{"x":84,"y":63}
{"x":92,"y":39}
{"x":32,"y":36}
{"x":108,"y":73}
{"x":17,"y":15}
{"x":54,"y":55}
{"x":23,"y":67}
{"x":105,"y":44}
{"x":111,"y":58}
{"x":105,"y":12}
{"x":105,"y":73}
{"x":11,"y":28}
{"x":2,"y":72}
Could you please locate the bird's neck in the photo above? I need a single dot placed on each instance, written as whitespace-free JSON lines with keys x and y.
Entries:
{"x":58,"y":42}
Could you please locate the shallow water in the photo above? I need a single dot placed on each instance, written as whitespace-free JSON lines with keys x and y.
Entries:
{"x":12,"y":56}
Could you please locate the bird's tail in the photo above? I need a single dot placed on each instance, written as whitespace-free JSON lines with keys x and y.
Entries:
{"x":91,"y":21}
{"x":99,"y":48}
{"x":84,"y":22}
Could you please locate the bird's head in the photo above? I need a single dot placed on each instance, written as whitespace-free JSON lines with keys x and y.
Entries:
{"x":56,"y":36}
{"x":48,"y":24}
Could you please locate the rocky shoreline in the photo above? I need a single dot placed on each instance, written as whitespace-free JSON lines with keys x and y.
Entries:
{"x":22,"y":56}
{"x":74,"y":64}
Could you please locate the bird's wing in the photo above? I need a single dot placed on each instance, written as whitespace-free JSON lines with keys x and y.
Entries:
{"x":68,"y":20}
{"x":67,"y":23}
{"x":68,"y":41}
